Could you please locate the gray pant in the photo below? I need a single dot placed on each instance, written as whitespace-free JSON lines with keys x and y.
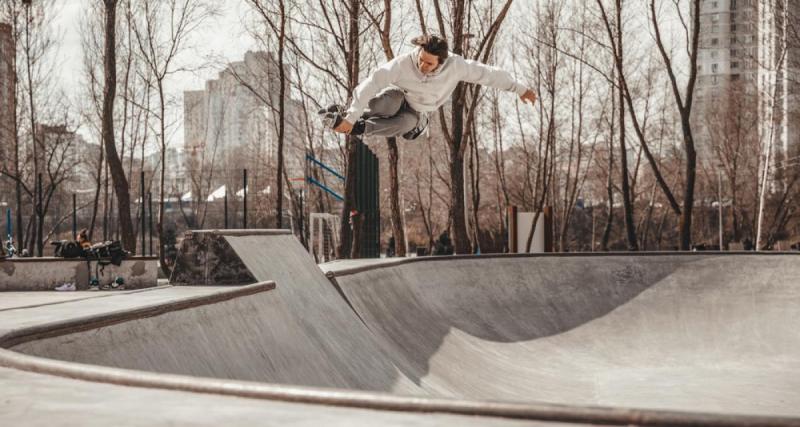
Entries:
{"x":389,"y":115}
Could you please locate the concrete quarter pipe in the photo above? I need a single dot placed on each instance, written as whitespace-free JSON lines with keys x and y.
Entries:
{"x":676,"y":335}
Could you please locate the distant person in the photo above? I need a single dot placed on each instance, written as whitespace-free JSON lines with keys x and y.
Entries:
{"x":443,"y":245}
{"x":390,"y":248}
{"x":398,"y":96}
{"x":83,"y":239}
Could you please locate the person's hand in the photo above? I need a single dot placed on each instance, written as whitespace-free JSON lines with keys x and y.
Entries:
{"x":344,"y":127}
{"x":528,"y":97}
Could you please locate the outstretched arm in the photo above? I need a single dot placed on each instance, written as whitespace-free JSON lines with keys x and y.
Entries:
{"x":486,"y":75}
{"x":381,"y":78}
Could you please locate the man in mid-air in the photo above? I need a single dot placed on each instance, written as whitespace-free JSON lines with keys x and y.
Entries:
{"x":398,"y":96}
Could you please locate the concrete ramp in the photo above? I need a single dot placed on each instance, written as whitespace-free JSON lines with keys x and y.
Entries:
{"x":321,"y":317}
{"x":717,"y":333}
{"x":301,"y":333}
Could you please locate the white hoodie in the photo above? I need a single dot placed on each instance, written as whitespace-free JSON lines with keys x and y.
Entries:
{"x":427,"y":92}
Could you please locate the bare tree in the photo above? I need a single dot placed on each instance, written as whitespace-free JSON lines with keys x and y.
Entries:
{"x":547,"y":66}
{"x":578,"y":159}
{"x":114,"y":162}
{"x":684,"y":102}
{"x":503,"y":194}
{"x":383,"y":28}
{"x":464,"y":102}
{"x":349,"y":242}
{"x":11,"y":11}
{"x":616,"y":39}
{"x":59,"y":159}
{"x":335,"y":55}
{"x":161,"y":29}
{"x":274,"y":15}
{"x":32,"y":69}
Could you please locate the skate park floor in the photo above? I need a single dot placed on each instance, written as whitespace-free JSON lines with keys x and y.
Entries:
{"x":645,"y":339}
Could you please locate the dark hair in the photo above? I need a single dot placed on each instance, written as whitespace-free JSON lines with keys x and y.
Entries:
{"x":432,"y":44}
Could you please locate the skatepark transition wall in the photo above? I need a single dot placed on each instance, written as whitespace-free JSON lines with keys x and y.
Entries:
{"x":696,"y":333}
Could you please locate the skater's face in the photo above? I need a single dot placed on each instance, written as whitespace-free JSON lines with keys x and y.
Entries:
{"x":427,"y":62}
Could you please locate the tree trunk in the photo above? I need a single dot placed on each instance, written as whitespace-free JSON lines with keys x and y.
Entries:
{"x":357,"y":221}
{"x":475,"y":174}
{"x":688,"y":196}
{"x":610,"y":181}
{"x":162,"y":255}
{"x":616,"y":39}
{"x":114,"y":162}
{"x":281,"y":116}
{"x":630,"y":228}
{"x":34,"y":139}
{"x":14,"y":77}
{"x":734,"y":216}
{"x":346,"y":233}
{"x":394,"y":191}
{"x":353,"y":65}
{"x":29,"y":233}
{"x":461,"y":242}
{"x":96,"y":202}
{"x":685,"y":110}
{"x":40,"y":214}
{"x":108,"y":203}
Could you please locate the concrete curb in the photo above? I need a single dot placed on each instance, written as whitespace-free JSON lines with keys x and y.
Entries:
{"x":333,"y":272}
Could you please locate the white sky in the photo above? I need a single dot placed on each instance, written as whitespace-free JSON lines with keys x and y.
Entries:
{"x":223,"y":38}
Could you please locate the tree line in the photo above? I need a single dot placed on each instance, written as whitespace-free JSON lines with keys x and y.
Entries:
{"x":622,"y":144}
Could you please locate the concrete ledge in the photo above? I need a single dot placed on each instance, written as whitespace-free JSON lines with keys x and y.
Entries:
{"x":44,"y":274}
{"x":241,"y":232}
{"x":79,"y":324}
{"x":347,"y":267}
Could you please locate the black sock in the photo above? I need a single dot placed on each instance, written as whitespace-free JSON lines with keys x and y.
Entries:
{"x":358,"y":127}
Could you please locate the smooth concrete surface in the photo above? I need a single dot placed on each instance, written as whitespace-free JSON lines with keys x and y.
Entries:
{"x":682,"y":332}
{"x":33,"y":400}
{"x":15,"y":300}
{"x":43,"y":312}
{"x":303,"y":333}
{"x":691,"y":333}
{"x":350,"y":264}
{"x":18,"y":300}
{"x":44,"y":274}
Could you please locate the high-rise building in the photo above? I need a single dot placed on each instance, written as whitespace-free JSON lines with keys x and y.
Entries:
{"x":232,"y":123}
{"x":747,"y":85}
{"x":7,"y":98}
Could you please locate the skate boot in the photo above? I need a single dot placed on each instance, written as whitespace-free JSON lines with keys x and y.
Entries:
{"x":332,"y":115}
{"x":333,"y":108}
{"x":422,"y":126}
